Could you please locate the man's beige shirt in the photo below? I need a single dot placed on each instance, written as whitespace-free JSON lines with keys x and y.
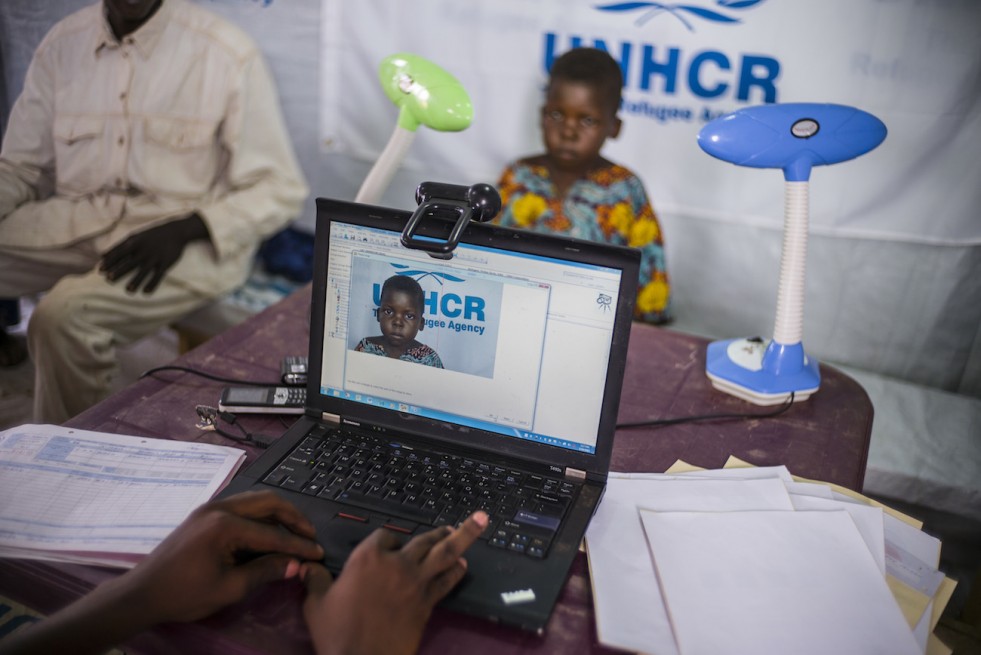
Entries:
{"x":109,"y":138}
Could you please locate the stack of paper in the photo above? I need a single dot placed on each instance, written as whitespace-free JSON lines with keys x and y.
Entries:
{"x":750,"y":560}
{"x":79,"y":496}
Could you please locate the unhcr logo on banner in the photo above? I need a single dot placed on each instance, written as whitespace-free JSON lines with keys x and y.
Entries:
{"x":670,"y":70}
{"x":645,"y":11}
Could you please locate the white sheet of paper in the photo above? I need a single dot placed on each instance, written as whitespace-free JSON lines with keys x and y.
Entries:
{"x":743,"y":473}
{"x":630,"y":613}
{"x":773,"y":582}
{"x":747,"y":473}
{"x":810,"y":489}
{"x":922,"y":630}
{"x":868,"y":520}
{"x":913,"y":557}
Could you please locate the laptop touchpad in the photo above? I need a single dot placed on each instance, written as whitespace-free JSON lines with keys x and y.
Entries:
{"x":339,"y":536}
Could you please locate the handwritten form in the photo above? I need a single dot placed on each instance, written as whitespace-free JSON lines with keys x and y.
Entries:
{"x":81,"y":496}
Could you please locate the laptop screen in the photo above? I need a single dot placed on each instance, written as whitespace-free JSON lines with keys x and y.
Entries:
{"x":506,"y":342}
{"x":503,"y":341}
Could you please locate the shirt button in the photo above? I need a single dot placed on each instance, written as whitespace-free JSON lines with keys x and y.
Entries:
{"x":119,"y":183}
{"x":122,"y":96}
{"x":122,"y":140}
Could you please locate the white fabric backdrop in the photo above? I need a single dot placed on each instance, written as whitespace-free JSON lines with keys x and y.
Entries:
{"x":914,"y":65}
{"x":894,"y":260}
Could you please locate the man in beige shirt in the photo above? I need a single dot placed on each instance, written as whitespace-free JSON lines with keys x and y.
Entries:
{"x":143,"y":163}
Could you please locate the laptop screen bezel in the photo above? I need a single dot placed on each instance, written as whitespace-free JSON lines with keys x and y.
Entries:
{"x":595,"y":465}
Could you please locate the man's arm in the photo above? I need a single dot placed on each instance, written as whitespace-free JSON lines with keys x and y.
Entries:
{"x":194,"y":572}
{"x":27,"y":157}
{"x":266,"y":187}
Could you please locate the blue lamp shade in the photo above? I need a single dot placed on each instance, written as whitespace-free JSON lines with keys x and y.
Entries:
{"x":793,"y":136}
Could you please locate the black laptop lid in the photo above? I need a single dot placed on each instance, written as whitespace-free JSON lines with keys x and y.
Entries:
{"x":522,"y":345}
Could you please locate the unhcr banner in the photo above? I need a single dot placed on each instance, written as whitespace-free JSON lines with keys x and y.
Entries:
{"x":915,"y":65}
{"x":894,"y":257}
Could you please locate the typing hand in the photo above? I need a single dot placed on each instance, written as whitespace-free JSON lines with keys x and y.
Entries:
{"x":195,"y":571}
{"x":152,"y":252}
{"x":382,"y":599}
{"x":191,"y":574}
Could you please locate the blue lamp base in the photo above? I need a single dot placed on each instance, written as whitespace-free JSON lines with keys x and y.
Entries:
{"x":760,"y":371}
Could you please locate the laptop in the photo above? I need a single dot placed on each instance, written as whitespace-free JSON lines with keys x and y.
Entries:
{"x":506,"y":400}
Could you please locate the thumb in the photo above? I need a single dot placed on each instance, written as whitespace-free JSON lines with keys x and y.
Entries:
{"x":267,"y":568}
{"x":316,"y":578}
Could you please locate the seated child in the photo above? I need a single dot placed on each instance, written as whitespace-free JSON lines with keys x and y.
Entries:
{"x":570,"y":189}
{"x":400,"y":316}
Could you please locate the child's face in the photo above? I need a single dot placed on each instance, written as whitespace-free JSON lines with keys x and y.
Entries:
{"x":400,"y":319}
{"x":575,"y":124}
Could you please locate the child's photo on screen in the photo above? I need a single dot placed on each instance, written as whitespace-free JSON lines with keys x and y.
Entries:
{"x":433,"y":315}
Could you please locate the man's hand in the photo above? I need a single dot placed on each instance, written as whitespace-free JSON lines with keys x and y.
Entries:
{"x":382,"y":599}
{"x":152,"y":252}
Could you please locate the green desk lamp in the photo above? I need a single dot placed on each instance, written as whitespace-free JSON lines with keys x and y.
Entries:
{"x":425,"y":95}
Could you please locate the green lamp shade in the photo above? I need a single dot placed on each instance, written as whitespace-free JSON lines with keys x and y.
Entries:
{"x":425,"y":94}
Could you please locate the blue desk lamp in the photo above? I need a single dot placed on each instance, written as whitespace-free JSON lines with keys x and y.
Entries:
{"x":794,"y":137}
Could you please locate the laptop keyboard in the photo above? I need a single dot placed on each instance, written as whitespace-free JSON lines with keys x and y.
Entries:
{"x":427,"y":487}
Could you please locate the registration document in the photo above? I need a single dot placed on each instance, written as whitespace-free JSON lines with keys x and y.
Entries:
{"x":92,"y":497}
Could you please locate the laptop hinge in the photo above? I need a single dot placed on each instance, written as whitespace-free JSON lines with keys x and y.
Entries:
{"x":575,"y":474}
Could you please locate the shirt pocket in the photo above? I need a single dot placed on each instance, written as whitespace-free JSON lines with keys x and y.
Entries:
{"x":80,"y":153}
{"x":180,"y":157}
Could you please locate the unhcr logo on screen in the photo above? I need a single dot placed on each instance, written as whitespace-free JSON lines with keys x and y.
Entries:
{"x":444,"y":309}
